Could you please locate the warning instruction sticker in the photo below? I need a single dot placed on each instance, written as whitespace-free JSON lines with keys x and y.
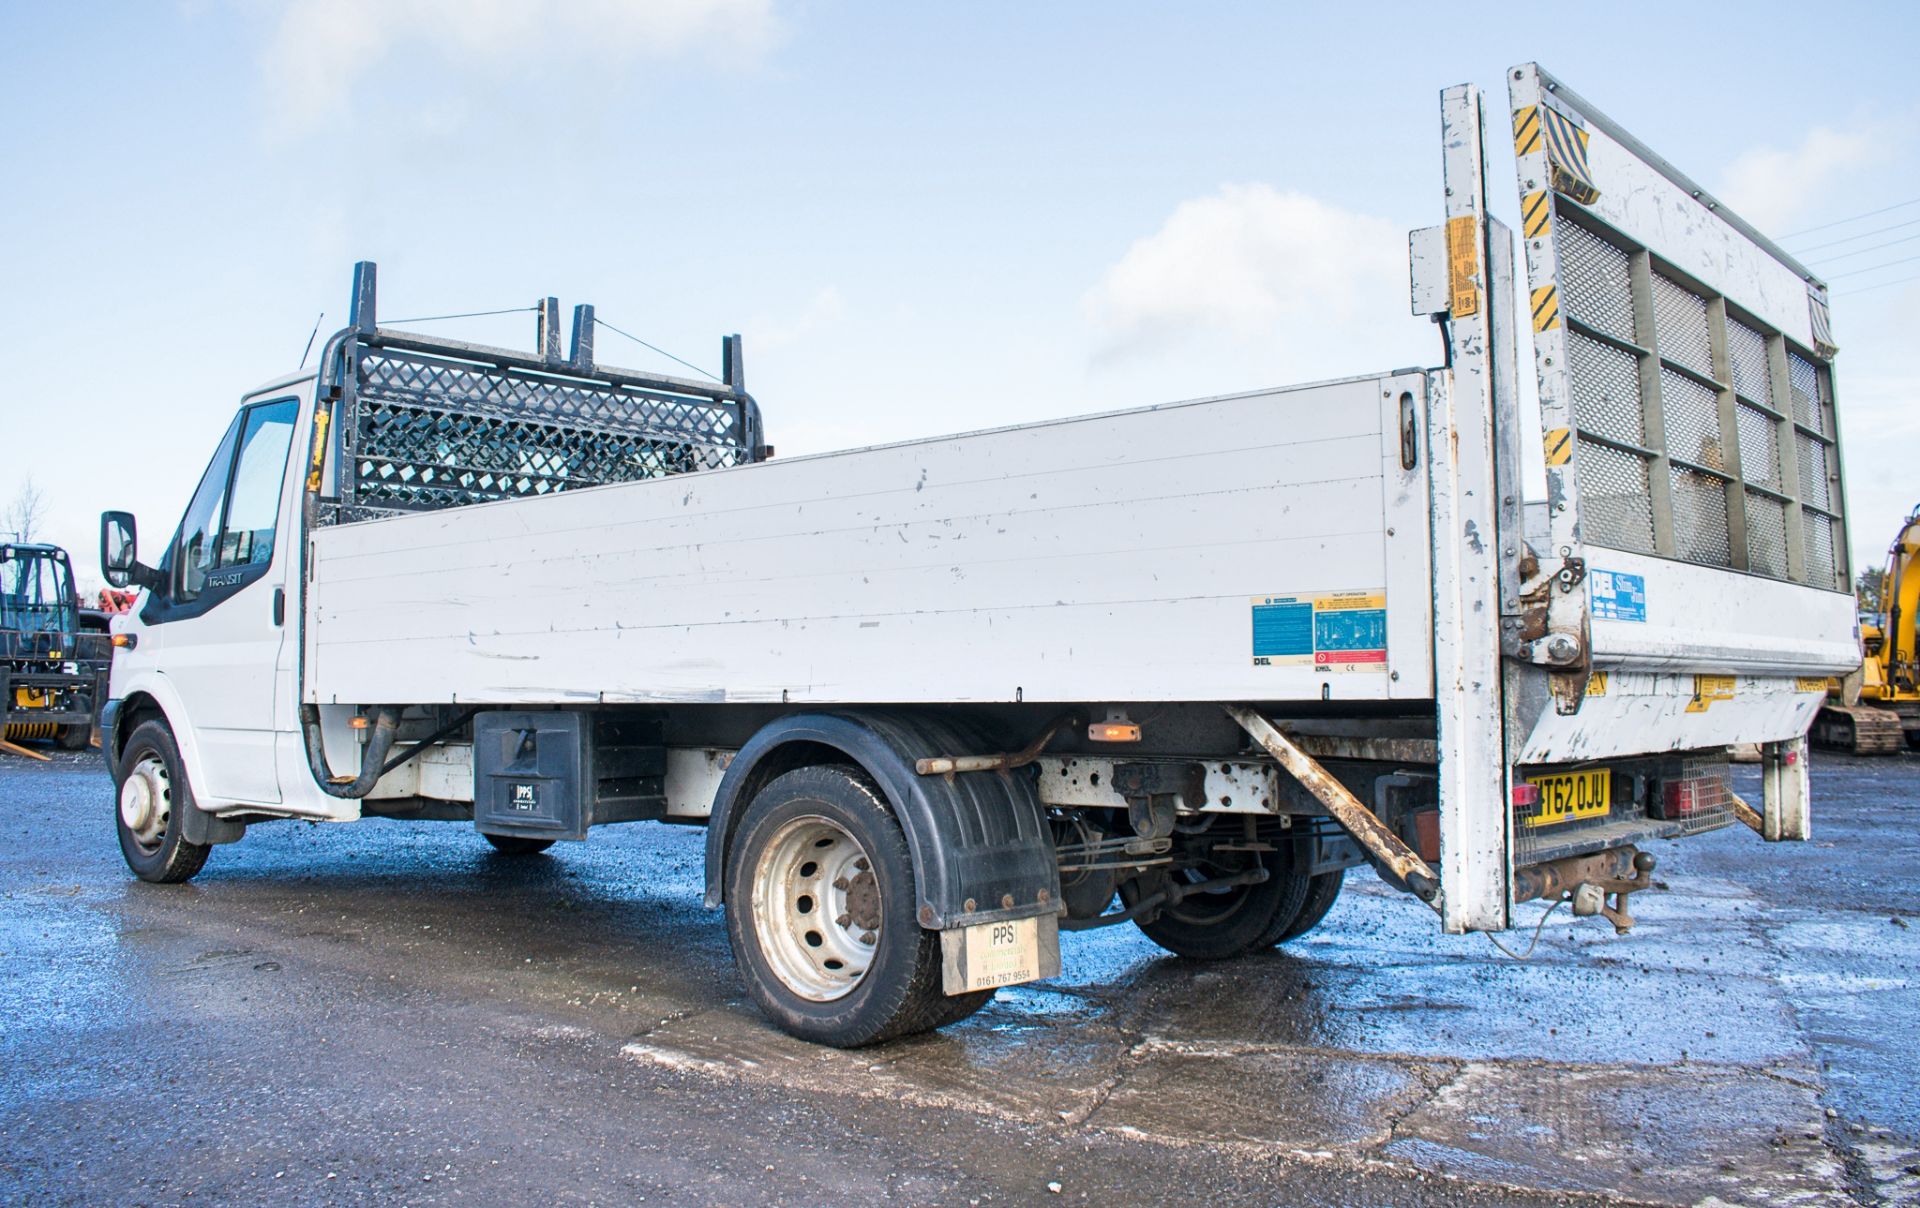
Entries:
{"x":1333,"y":631}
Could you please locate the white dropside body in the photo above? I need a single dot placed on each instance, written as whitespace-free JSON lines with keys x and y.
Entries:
{"x":1126,"y":556}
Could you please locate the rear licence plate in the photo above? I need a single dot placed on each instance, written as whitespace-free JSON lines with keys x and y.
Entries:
{"x":1569,"y":795}
{"x":989,"y":955}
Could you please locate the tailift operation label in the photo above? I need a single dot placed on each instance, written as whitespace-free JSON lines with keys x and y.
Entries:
{"x":1332,"y":631}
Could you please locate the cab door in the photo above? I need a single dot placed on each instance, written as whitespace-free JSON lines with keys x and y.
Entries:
{"x":223,"y":607}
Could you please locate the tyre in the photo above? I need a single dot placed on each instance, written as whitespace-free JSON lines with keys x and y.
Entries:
{"x":154,"y":797}
{"x":514,"y":845}
{"x":820,"y":913}
{"x":1218,"y":924}
{"x":1322,"y":891}
{"x":74,"y":738}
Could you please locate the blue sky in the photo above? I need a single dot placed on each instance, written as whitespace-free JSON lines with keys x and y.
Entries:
{"x":923,"y":218}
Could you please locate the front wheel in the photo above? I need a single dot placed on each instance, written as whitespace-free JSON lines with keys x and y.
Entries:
{"x":820,"y":913}
{"x":154,"y":799}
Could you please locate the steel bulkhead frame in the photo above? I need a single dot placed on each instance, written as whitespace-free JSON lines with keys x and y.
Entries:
{"x":333,"y":436}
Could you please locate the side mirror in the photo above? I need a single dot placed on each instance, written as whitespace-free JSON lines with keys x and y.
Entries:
{"x":118,"y":552}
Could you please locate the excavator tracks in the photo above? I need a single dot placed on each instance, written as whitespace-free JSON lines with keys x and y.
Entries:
{"x":1859,"y":730}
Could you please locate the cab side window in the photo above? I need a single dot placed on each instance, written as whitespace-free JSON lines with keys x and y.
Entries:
{"x":253,"y":505}
{"x":236,"y":508}
{"x":194,"y":548}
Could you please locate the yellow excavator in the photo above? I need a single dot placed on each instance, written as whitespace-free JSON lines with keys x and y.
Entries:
{"x":1876,"y":711}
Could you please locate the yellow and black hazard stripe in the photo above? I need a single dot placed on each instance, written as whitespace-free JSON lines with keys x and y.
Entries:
{"x":1559,"y":446}
{"x":1822,"y":324}
{"x":1536,"y":214}
{"x":1567,"y":154}
{"x":1546,"y":308}
{"x":1526,"y":130}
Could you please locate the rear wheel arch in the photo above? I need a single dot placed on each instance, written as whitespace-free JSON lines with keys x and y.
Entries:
{"x":821,"y":918}
{"x":755,"y":771}
{"x":980,"y":842}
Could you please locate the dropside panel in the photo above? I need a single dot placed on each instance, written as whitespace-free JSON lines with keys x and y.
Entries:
{"x":1262,"y":547}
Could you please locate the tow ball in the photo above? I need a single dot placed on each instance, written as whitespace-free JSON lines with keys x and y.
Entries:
{"x":1590,"y":897}
{"x":1590,"y":881}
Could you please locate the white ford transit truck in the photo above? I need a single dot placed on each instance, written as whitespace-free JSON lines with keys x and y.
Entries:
{"x":1179,"y":667}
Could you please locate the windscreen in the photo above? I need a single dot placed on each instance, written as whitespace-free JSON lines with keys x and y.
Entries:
{"x":36,"y":593}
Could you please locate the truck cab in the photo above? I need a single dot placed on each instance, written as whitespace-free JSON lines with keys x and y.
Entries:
{"x":206,"y":645}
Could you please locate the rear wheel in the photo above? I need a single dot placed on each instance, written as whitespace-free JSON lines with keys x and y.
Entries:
{"x":1322,"y":890}
{"x":820,"y":912}
{"x":154,"y":799}
{"x":1216,"y":924}
{"x":74,"y":738}
{"x":514,"y":845}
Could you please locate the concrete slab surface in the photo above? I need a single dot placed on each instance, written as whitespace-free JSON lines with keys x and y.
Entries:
{"x":391,"y":1013}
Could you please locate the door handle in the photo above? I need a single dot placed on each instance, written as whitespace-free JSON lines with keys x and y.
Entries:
{"x":279,"y":606}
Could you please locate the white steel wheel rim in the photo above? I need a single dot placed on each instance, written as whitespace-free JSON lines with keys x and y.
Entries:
{"x":146,"y":803}
{"x":816,"y":908}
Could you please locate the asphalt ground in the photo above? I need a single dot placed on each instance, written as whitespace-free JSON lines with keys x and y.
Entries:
{"x":389,"y":1013}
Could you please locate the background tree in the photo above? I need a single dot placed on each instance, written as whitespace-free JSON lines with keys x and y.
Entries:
{"x":1866,"y":588}
{"x":24,"y":514}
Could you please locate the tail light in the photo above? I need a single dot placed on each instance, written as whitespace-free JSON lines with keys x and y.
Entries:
{"x":1690,"y":797}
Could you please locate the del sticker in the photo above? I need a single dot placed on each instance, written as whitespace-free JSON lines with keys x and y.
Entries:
{"x":1618,"y":597}
{"x":1331,"y":631}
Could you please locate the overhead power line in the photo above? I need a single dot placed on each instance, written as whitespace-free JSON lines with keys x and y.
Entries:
{"x":1872,"y":268}
{"x":1863,"y":251}
{"x":1867,"y":289}
{"x":1862,"y":235}
{"x":1898,"y":205}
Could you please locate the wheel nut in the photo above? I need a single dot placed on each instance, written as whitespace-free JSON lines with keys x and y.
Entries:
{"x":840,"y":883}
{"x":867,"y":937}
{"x":862,"y":864}
{"x":845,"y":920}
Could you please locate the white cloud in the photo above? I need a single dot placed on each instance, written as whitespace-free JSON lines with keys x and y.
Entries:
{"x":322,"y":48}
{"x":1305,"y":280}
{"x":1772,"y":187}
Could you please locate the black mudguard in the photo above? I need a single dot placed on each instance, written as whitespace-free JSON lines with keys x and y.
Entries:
{"x":982,"y":849}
